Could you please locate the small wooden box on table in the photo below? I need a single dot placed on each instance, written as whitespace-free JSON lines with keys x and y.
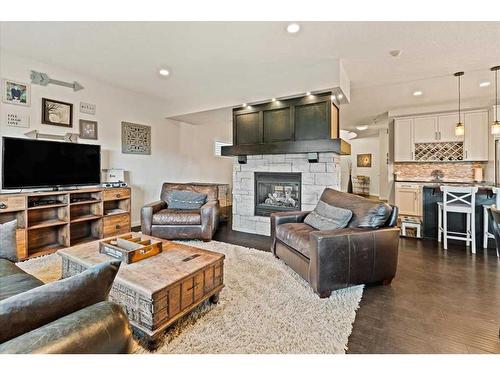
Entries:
{"x":157,"y":291}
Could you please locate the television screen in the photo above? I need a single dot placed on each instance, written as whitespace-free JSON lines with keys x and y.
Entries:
{"x":28,"y":163}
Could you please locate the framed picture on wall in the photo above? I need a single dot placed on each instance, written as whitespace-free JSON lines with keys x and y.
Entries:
{"x":57,"y":113}
{"x":15,"y":92}
{"x":88,"y":129}
{"x":364,"y":160}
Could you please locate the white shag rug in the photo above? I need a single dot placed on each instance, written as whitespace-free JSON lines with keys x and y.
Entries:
{"x":264,"y":307}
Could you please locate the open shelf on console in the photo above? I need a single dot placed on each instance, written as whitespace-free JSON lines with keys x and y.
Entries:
{"x":84,"y":231}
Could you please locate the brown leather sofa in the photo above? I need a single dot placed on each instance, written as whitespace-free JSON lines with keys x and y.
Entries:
{"x":102,"y":328}
{"x":158,"y":220}
{"x":336,"y":259}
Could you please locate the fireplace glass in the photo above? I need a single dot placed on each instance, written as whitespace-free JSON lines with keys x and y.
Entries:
{"x":275,"y":192}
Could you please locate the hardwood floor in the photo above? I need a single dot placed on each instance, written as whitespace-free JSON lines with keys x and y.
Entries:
{"x":439,"y":302}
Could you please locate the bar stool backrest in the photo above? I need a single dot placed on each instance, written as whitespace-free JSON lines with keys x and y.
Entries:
{"x":496,"y":191}
{"x":460,"y":195}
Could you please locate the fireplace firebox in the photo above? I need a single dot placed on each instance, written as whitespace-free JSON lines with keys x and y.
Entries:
{"x":276,"y":192}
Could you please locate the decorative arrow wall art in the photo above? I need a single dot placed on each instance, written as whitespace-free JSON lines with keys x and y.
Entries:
{"x":43,"y":79}
{"x":68,"y":137}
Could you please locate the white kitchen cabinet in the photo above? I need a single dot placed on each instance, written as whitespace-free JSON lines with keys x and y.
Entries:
{"x":425,"y":129}
{"x":446,"y":125}
{"x":476,"y":136}
{"x":403,"y":140}
{"x":408,"y":198}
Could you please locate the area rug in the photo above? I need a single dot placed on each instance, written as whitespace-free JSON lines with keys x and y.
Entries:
{"x":265,"y":307}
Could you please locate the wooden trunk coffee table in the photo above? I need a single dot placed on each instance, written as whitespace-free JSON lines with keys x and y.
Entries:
{"x":157,"y":291}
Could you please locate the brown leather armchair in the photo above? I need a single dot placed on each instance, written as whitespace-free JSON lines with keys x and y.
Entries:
{"x":159,"y":221}
{"x":336,"y":259}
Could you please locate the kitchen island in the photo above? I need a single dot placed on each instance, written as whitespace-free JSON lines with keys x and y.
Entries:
{"x":431,"y":195}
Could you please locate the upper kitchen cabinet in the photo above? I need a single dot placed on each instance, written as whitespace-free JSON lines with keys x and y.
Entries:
{"x":446,"y":128}
{"x":425,"y":129}
{"x":430,"y":137}
{"x":403,"y":140}
{"x":476,"y":136}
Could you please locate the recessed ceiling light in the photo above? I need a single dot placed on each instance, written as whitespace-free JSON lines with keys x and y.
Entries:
{"x":293,"y":28}
{"x":164,"y":72}
{"x":308,"y":93}
{"x":418,"y":93}
{"x":273,"y":99}
{"x":340,"y":96}
{"x":244,"y":105}
{"x":362,"y":127}
{"x":485,"y":84}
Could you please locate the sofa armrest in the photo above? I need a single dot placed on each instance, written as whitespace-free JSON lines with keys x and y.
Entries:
{"x":352,"y":256}
{"x":102,"y":328}
{"x":278,"y":218}
{"x":209,"y":218}
{"x":147,"y":212}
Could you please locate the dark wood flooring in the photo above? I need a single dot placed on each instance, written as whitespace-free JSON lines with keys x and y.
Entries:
{"x":439,"y":302}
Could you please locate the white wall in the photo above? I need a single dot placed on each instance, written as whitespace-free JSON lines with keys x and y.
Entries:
{"x":199,"y":163}
{"x":180,"y":152}
{"x":368,"y":145}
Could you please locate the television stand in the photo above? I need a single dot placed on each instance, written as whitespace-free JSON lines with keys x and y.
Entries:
{"x":51,"y":220}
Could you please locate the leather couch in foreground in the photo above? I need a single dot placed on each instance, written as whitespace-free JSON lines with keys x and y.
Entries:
{"x":339,"y":258}
{"x":158,"y":220}
{"x":97,"y":329}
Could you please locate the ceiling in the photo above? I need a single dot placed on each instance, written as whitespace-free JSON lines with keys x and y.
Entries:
{"x":223,"y":64}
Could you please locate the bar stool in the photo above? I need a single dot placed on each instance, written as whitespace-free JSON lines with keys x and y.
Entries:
{"x":494,"y":214}
{"x":460,"y":200}
{"x":486,"y":218}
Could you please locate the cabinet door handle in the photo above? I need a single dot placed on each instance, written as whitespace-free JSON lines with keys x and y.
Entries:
{"x":436,"y":136}
{"x":3,"y":206}
{"x":118,"y":226}
{"x":118,"y":195}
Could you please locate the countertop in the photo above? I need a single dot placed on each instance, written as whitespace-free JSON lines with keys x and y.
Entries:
{"x":483,"y":185}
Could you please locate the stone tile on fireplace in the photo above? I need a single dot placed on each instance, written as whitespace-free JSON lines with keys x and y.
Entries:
{"x":317,"y":167}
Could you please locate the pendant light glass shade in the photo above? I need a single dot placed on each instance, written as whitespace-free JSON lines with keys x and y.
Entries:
{"x":495,"y":126}
{"x":459,"y":127}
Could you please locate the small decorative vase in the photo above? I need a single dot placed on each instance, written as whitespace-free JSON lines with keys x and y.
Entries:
{"x":349,"y":184}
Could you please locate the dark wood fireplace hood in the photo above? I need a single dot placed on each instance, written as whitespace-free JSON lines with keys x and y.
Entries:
{"x":307,"y":124}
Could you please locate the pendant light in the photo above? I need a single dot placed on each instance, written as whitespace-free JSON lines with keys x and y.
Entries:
{"x":459,"y":127}
{"x":495,"y":126}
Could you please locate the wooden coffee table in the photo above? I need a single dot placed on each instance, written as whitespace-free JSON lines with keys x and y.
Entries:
{"x":157,"y":291}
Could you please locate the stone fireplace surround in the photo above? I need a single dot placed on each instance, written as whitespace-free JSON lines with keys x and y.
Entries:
{"x":315,"y":178}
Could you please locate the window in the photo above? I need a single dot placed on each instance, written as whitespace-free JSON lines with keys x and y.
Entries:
{"x":218,"y":147}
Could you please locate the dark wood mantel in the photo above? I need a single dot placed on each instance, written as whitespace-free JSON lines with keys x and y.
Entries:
{"x":300,"y":125}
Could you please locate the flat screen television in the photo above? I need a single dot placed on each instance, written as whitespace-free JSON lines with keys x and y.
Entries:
{"x":28,"y":163}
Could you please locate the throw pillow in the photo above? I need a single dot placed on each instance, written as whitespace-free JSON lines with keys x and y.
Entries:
{"x":8,"y":244}
{"x":185,"y":200}
{"x":376,"y":216}
{"x":29,"y":310}
{"x":327,"y":217}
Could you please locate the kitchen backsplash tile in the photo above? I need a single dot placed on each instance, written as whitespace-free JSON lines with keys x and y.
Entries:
{"x":459,"y":172}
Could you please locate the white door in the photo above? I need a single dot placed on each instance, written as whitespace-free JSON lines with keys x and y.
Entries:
{"x":425,"y":129}
{"x":446,"y":128}
{"x":476,"y":136}
{"x":403,"y":140}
